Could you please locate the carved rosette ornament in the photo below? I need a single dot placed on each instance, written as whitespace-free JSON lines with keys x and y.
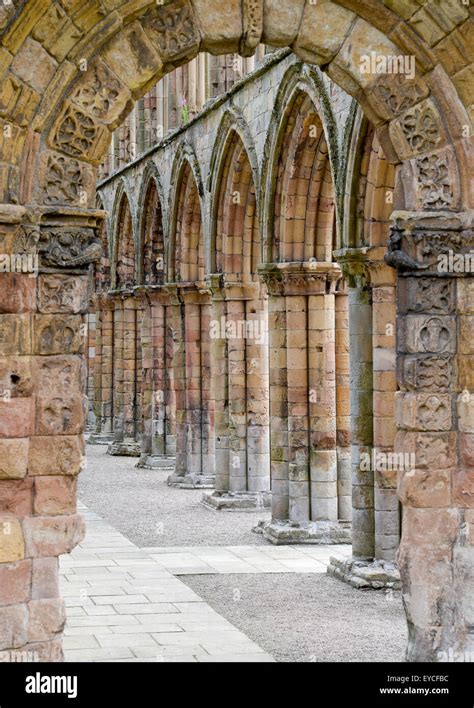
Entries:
{"x":64,"y":180}
{"x":435,"y":181}
{"x":395,"y":93}
{"x":174,"y":31}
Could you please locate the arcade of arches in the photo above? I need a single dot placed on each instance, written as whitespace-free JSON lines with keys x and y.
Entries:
{"x":267,"y":304}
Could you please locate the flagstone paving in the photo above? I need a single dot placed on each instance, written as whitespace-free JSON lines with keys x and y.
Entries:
{"x":126,"y":604}
{"x":122,"y":605}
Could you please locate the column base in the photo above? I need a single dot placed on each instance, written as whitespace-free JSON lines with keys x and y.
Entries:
{"x":100,"y":438}
{"x":191,"y":481}
{"x":315,"y":532}
{"x":124,"y":449}
{"x":156,"y":462}
{"x":237,"y":501}
{"x":365,"y":575}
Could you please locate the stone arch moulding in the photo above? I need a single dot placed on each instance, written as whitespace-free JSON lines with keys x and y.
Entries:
{"x":122,"y":197}
{"x":232,"y":123}
{"x":58,"y":122}
{"x":150,"y":176}
{"x":359,"y":144}
{"x":185,"y":157}
{"x":296,"y":81}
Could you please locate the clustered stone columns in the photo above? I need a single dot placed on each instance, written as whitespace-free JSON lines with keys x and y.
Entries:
{"x":343,"y":422}
{"x":158,"y":414}
{"x":103,"y":372}
{"x":127,"y":371}
{"x":195,"y":460}
{"x":43,"y":334}
{"x":303,"y":446}
{"x":240,"y":391}
{"x":375,"y":505}
{"x":435,"y":421}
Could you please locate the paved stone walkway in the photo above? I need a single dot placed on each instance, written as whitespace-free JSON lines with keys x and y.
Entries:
{"x":122,"y":605}
{"x":125,"y":603}
{"x":205,"y":560}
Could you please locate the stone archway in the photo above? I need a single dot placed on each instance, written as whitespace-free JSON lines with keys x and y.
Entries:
{"x":302,"y":281}
{"x":190,"y":299}
{"x":239,"y":326}
{"x":158,"y":425}
{"x":69,"y":76}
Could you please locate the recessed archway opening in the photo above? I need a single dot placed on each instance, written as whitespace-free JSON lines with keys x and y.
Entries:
{"x":154,"y":271}
{"x":304,"y":205}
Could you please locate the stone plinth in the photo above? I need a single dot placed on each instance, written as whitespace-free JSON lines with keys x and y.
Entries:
{"x":314,"y":532}
{"x":124,"y":449}
{"x":237,"y":501}
{"x":191,"y":481}
{"x":100,"y":439}
{"x":156,"y":462}
{"x":375,"y":575}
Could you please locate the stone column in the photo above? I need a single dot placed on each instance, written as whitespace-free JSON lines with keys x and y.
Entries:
{"x":157,"y":443}
{"x":375,"y":516}
{"x":42,"y":416}
{"x":125,"y":382}
{"x":343,"y":423}
{"x":103,"y":373}
{"x":386,"y":502}
{"x":195,"y":445}
{"x":434,"y":416}
{"x":240,"y":390}
{"x":303,"y":404}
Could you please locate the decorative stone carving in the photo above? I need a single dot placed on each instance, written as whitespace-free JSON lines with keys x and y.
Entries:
{"x":304,"y":278}
{"x":55,"y":334}
{"x":71,"y":247}
{"x":59,"y":374}
{"x":428,"y":246}
{"x":396,"y":93}
{"x":435,"y":181}
{"x":429,"y":372}
{"x":26,"y":239}
{"x":429,"y":334}
{"x":78,"y":135}
{"x":421,"y":129}
{"x":395,"y":257}
{"x":423,"y":411}
{"x":60,"y":293}
{"x":63,"y":181}
{"x":98,"y":92}
{"x":174,"y":31}
{"x":429,"y":295}
{"x":59,"y":409}
{"x":420,"y":248}
{"x":434,"y":450}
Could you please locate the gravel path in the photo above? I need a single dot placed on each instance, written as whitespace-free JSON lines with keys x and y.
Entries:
{"x":140,"y":505}
{"x":294,"y":617}
{"x":308,"y":617}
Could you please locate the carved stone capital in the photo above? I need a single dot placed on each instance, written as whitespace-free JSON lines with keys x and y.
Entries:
{"x":196,"y":293}
{"x":215,"y":283}
{"x":353,"y":263}
{"x":432,"y":244}
{"x":308,"y":278}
